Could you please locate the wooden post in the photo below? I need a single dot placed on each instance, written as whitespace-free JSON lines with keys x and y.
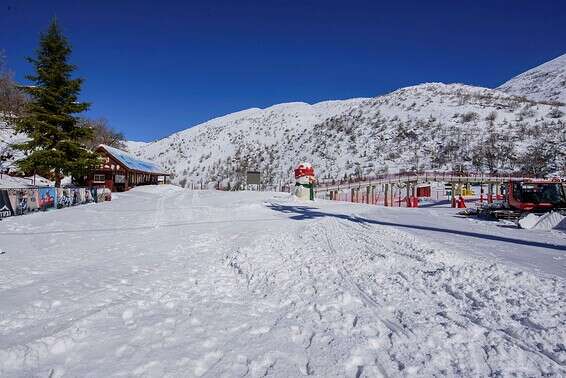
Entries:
{"x":408,"y":199}
{"x":386,"y":191}
{"x":453,"y":190}
{"x":392,"y":195}
{"x":373,"y":194}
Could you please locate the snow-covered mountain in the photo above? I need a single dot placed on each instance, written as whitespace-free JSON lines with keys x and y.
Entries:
{"x":546,"y":82}
{"x":428,"y":126}
{"x":132,"y":145}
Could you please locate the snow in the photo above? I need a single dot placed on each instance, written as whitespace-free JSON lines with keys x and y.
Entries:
{"x":546,"y":82}
{"x":545,"y":222}
{"x":23,"y":182}
{"x":414,"y":127}
{"x":529,"y":221}
{"x":132,"y":162}
{"x":132,"y":146}
{"x":8,"y":137}
{"x":549,"y":221}
{"x":163,"y":281}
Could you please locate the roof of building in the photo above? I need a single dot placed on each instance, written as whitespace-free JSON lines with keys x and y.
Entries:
{"x":132,"y":162}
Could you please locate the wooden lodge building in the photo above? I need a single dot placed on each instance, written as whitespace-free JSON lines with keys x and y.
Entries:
{"x":121,"y":171}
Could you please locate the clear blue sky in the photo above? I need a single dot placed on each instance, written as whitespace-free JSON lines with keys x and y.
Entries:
{"x":156,"y":67}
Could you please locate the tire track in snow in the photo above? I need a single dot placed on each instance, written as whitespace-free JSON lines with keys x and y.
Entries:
{"x":372,"y":303}
{"x":361,"y":233}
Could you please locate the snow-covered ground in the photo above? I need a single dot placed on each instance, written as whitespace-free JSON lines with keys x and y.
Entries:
{"x":23,"y":182}
{"x":546,"y":82}
{"x":169,"y":282}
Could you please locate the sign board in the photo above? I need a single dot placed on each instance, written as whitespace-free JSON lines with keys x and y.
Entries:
{"x":253,"y":178}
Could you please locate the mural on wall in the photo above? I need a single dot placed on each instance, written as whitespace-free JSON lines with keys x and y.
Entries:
{"x":93,"y":194}
{"x":64,"y":198}
{"x":107,"y":194}
{"x":79,"y":197}
{"x":88,"y":196}
{"x":24,"y":201}
{"x":6,"y":209}
{"x":100,"y":195}
{"x":47,"y":198}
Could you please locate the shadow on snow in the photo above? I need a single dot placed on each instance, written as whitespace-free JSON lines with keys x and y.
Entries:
{"x":308,"y":212}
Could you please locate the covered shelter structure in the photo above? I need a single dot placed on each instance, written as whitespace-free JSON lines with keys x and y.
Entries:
{"x":121,"y":171}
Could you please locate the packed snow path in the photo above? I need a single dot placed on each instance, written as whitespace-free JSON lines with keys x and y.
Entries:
{"x":167,"y":282}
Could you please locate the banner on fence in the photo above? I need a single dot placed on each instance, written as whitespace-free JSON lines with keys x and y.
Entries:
{"x":24,"y":201}
{"x":64,"y":198}
{"x":47,"y":197}
{"x":6,"y":209}
{"x":93,"y":194}
{"x":79,"y":195}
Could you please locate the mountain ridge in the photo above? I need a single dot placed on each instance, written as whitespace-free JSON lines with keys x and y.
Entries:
{"x":545,"y":82}
{"x":431,"y":125}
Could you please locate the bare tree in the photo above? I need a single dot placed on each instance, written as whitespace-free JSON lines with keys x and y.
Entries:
{"x":12,"y":99}
{"x":103,"y":134}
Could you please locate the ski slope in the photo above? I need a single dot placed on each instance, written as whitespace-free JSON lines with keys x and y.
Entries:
{"x":169,"y":282}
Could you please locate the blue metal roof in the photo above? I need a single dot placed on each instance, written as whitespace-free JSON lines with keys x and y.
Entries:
{"x":132,"y":162}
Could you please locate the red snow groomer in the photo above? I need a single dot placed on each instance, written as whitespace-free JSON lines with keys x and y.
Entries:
{"x":532,"y":196}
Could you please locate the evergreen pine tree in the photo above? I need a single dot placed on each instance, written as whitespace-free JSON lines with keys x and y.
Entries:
{"x":49,"y":120}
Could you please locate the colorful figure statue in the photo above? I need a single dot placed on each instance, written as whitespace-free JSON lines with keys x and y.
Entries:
{"x":304,"y":182}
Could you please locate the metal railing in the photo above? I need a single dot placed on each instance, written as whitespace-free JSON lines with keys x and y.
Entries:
{"x":418,"y":177}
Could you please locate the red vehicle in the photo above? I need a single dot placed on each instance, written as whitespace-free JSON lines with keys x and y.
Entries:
{"x":536,"y":196}
{"x":530,"y":196}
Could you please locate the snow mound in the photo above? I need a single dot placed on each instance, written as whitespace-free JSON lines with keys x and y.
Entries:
{"x":529,"y":221}
{"x":545,"y":222}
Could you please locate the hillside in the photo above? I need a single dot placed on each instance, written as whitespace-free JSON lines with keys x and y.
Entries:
{"x":132,"y":145}
{"x":546,"y":82}
{"x":7,"y":137}
{"x":428,"y":126}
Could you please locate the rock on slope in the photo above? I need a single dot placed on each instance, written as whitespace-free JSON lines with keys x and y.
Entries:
{"x":428,"y":126}
{"x":546,"y":82}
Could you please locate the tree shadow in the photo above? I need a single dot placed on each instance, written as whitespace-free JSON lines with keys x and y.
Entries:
{"x":308,"y":212}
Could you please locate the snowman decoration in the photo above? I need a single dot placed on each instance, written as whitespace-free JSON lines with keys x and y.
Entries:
{"x":304,"y":182}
